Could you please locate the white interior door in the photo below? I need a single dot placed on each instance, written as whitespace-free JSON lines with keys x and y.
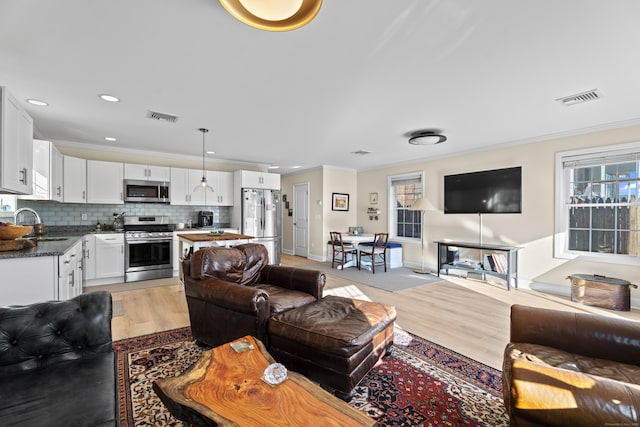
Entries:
{"x":301,"y":219}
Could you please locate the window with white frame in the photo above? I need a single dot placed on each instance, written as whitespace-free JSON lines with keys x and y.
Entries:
{"x":404,"y":190}
{"x":597,"y":204}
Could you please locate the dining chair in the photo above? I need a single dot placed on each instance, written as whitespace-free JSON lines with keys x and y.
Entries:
{"x":341,"y":249}
{"x":377,"y":252}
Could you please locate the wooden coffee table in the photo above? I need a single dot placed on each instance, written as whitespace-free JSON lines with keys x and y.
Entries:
{"x":224,"y":388}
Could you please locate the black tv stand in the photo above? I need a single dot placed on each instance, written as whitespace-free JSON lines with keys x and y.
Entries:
{"x":508,"y":271}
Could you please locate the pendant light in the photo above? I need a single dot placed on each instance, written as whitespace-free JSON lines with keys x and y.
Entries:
{"x":204,"y":186}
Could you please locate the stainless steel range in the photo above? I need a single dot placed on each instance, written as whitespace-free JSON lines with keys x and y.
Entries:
{"x":148,"y":248}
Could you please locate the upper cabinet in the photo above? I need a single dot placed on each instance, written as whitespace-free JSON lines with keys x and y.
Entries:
{"x":185,"y":181}
{"x":47,"y":177}
{"x":92,"y":181}
{"x":252,"y":179}
{"x":147,"y":173}
{"x":74,"y":183}
{"x":222,"y":184}
{"x":16,"y":143}
{"x":105,"y":182}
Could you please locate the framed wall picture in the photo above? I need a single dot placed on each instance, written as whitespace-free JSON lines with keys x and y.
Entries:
{"x":340,"y":202}
{"x":373,"y":198}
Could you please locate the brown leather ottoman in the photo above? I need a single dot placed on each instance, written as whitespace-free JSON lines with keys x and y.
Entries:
{"x":334,"y":341}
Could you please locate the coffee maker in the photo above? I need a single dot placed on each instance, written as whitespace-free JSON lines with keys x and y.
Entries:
{"x":205,"y":219}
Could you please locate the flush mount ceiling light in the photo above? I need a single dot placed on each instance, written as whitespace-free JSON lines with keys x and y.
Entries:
{"x":273,"y":15}
{"x":110,"y":138}
{"x":204,"y":186}
{"x":109,"y":98}
{"x":37,"y":102}
{"x":427,"y":138}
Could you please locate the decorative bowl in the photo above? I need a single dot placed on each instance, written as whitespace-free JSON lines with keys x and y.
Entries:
{"x":10,"y":232}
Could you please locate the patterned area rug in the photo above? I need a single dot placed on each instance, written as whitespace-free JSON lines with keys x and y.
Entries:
{"x":420,"y":384}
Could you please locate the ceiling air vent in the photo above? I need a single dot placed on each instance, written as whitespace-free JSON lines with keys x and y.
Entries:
{"x":579,"y":98}
{"x":163,"y":117}
{"x":361,"y":152}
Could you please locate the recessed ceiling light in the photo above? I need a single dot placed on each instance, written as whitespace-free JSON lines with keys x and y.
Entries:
{"x":110,"y":138}
{"x":109,"y":98}
{"x":296,"y":167}
{"x":211,"y":152}
{"x":37,"y":102}
{"x":274,"y":167}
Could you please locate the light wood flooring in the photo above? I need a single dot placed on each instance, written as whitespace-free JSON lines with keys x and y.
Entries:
{"x":467,"y":316}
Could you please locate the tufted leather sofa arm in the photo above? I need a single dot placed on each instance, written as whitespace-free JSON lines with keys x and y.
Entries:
{"x":43,"y":334}
{"x":297,"y":279}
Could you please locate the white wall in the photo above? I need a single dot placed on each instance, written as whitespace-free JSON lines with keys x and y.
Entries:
{"x":323,"y":181}
{"x":533,"y":229}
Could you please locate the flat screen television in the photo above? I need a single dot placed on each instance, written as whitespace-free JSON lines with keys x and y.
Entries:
{"x":497,"y":191}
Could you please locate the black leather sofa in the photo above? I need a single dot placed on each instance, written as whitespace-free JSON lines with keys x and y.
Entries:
{"x":57,"y":365}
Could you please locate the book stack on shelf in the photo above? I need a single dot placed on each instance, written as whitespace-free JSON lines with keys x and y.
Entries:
{"x":496,"y":262}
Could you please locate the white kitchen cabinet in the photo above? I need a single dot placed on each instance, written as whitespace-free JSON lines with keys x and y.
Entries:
{"x":28,"y":280}
{"x":147,"y":172}
{"x":222,"y":184}
{"x":74,"y":182}
{"x":89,"y":259}
{"x":16,"y":143}
{"x":109,"y":256}
{"x":178,"y":186}
{"x":70,"y":272}
{"x":57,"y":175}
{"x":253,"y":179}
{"x":47,"y":177}
{"x":183,"y":182}
{"x":105,"y":182}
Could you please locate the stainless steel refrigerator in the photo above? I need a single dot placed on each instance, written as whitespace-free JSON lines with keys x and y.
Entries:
{"x":261,"y":218}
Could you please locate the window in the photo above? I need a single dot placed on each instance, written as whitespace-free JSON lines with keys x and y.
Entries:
{"x":597,"y":214}
{"x":404,"y":190}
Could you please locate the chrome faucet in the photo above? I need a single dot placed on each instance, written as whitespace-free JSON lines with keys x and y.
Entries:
{"x":19,"y":211}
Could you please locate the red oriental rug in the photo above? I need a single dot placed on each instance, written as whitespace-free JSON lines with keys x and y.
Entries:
{"x":420,"y":384}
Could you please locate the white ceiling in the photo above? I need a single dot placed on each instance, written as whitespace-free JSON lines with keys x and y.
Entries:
{"x":362,"y":76}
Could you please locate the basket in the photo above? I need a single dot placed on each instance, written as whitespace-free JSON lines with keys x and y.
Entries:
{"x":10,"y":232}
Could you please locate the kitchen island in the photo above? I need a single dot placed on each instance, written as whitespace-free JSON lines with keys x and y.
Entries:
{"x":189,"y":243}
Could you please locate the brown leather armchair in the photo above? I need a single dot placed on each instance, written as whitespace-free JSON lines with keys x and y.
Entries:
{"x":571,"y":369}
{"x":232,"y":292}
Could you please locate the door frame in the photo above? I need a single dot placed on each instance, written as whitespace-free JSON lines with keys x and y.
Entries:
{"x":304,"y":186}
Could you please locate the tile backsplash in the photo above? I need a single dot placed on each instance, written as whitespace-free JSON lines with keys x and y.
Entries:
{"x":57,"y":214}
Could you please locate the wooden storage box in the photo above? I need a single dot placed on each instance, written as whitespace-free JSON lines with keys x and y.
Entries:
{"x":601,"y":291}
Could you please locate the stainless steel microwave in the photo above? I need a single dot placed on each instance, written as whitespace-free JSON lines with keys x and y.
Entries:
{"x":136,"y":191}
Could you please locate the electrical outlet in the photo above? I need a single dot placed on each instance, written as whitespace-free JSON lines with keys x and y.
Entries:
{"x":84,"y":217}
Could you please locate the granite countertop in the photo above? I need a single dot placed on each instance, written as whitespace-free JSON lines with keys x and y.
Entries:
{"x":55,"y":243}
{"x":208,"y":237}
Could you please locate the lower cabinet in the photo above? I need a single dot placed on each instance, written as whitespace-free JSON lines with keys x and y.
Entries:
{"x":28,"y":280}
{"x":70,"y":272}
{"x":104,"y":258}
